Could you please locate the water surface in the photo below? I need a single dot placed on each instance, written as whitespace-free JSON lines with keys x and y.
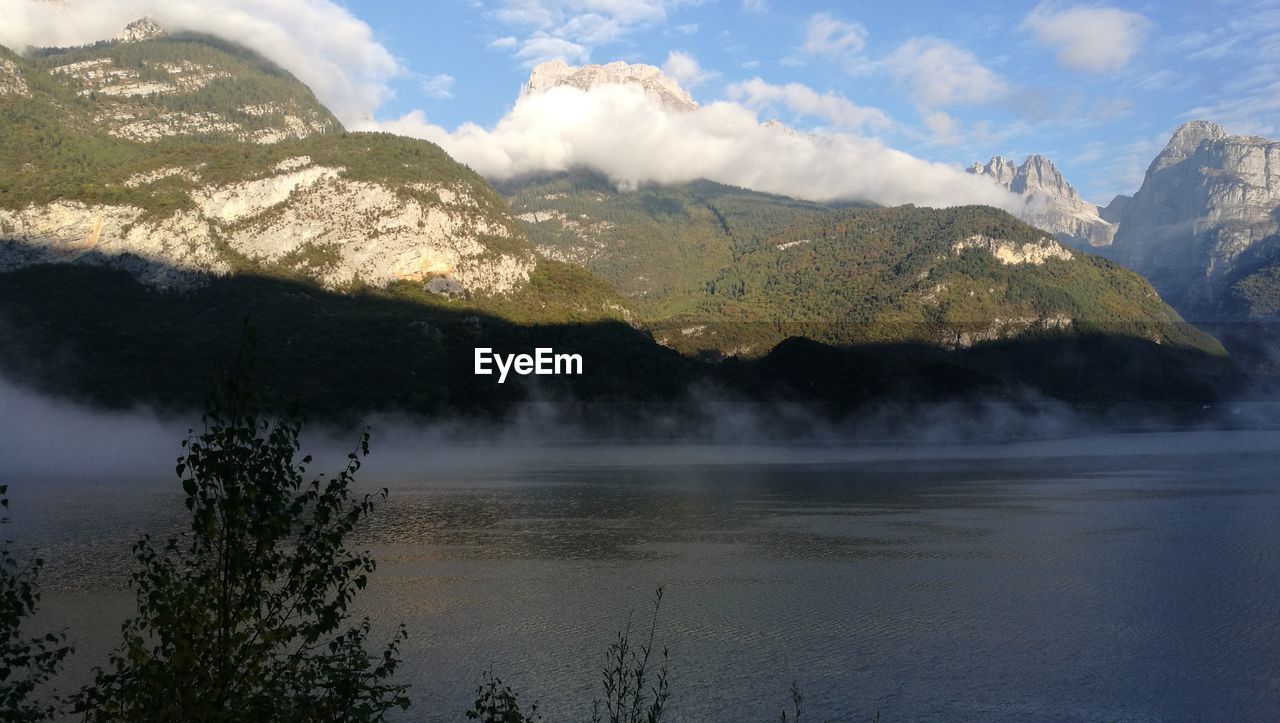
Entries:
{"x":1120,"y":578}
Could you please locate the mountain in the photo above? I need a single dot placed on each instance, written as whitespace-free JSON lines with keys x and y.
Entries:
{"x":658,"y":85}
{"x":1049,"y":202}
{"x":159,"y":189}
{"x":712,"y":269}
{"x":1204,"y":225}
{"x":658,"y":245}
{"x":177,"y":157}
{"x":946,"y":277}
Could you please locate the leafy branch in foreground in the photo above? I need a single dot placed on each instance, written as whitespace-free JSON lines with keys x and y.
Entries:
{"x":245,"y":615}
{"x":496,"y":702}
{"x":26,"y":664}
{"x":626,"y":698}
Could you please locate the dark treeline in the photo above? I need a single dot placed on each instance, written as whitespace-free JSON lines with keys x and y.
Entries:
{"x":98,"y":336}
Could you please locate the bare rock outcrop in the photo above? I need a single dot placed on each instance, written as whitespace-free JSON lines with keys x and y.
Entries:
{"x":658,"y":85}
{"x":1049,"y":201}
{"x":302,"y":216}
{"x":1011,"y":252}
{"x":139,"y":30}
{"x":11,"y":80}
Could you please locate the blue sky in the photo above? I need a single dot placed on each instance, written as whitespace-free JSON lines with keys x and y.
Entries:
{"x":1095,"y":87}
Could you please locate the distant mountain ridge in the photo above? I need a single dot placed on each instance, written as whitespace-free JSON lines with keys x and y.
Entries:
{"x":716,"y":269}
{"x":1050,"y":202}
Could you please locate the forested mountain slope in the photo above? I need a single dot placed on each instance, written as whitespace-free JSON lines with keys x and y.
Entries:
{"x":728,"y":271}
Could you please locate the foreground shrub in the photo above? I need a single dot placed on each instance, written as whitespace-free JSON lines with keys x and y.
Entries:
{"x":245,"y":615}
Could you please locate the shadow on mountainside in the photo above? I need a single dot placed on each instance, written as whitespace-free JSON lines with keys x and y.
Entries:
{"x":98,"y":336}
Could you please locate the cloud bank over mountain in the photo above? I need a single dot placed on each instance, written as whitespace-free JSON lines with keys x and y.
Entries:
{"x":623,"y":133}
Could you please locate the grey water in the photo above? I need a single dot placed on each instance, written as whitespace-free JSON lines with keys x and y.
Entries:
{"x":1128,"y":577}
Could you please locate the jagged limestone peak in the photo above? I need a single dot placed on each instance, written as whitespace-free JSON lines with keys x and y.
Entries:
{"x":1186,"y":140}
{"x":657,"y":84}
{"x":1050,"y":202}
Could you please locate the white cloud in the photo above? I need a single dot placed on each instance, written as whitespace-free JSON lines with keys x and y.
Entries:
{"x":437,"y":86}
{"x":800,"y":99}
{"x":939,"y":74}
{"x":577,"y":26}
{"x":590,"y":29}
{"x":507,"y":43}
{"x":1246,"y":97}
{"x":619,"y":131}
{"x":541,"y":47}
{"x":1091,"y":39}
{"x":944,"y":128}
{"x":318,"y":41}
{"x":685,"y":68}
{"x":833,"y":38}
{"x":755,"y":6}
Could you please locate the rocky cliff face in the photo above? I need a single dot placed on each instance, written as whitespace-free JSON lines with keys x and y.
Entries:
{"x":177,"y":158}
{"x":300,"y":216}
{"x":1050,"y":203}
{"x":658,"y":85}
{"x":11,"y":81}
{"x":1204,"y":224}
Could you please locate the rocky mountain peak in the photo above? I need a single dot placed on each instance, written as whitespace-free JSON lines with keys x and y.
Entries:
{"x":1206,"y":217}
{"x":1186,"y":140}
{"x":1038,"y":173}
{"x":1050,"y":202}
{"x":139,"y":30}
{"x":657,"y":84}
{"x":999,"y":169}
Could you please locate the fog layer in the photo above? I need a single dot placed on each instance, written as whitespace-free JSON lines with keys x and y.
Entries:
{"x":44,"y":439}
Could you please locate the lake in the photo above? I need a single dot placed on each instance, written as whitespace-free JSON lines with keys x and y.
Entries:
{"x":1126,"y":577}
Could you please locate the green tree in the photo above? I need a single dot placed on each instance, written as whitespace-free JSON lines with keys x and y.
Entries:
{"x":245,"y":615}
{"x":26,"y":664}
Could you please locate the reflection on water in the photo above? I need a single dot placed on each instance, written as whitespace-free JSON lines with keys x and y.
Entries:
{"x":993,"y":583}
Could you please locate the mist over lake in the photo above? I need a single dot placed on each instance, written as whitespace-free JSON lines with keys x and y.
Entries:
{"x":1121,"y":576}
